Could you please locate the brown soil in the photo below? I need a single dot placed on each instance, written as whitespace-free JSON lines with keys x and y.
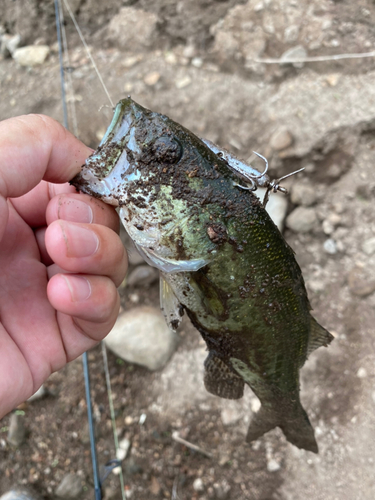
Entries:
{"x":194,"y":68}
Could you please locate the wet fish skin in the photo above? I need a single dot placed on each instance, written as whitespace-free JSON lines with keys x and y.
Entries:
{"x":221,"y":257}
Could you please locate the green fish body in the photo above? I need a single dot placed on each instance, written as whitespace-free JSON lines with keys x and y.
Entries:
{"x":222,"y":260}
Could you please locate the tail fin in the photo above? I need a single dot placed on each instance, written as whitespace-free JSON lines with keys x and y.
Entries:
{"x":296,"y":426}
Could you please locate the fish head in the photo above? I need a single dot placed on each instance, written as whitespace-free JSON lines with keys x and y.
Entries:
{"x":148,"y":165}
{"x":138,"y":152}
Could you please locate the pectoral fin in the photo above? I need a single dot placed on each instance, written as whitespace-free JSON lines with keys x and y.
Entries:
{"x":169,"y":265}
{"x":220,"y":380}
{"x":170,"y":304}
{"x":319,"y":336}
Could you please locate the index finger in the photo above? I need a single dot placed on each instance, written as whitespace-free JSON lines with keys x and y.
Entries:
{"x":36,"y":147}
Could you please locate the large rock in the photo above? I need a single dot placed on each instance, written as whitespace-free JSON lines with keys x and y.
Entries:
{"x":31,"y":55}
{"x":142,"y":336}
{"x":276,"y":207}
{"x":133,"y":29}
{"x":20,"y":494}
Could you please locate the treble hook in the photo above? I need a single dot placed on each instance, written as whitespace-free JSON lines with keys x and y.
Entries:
{"x":266,"y":162}
{"x":275,"y":186}
{"x":253,"y":180}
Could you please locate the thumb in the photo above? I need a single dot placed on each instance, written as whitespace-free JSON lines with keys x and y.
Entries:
{"x":36,"y":147}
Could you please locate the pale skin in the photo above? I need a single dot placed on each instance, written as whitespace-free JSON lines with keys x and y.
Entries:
{"x":61,"y":258}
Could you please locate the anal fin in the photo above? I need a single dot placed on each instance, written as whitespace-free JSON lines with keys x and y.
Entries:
{"x":319,"y":336}
{"x":220,"y":380}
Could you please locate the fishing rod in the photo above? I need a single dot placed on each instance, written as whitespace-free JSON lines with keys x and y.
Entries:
{"x":114,"y":463}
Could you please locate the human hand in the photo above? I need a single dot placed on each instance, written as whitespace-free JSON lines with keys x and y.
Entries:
{"x":61,"y":258}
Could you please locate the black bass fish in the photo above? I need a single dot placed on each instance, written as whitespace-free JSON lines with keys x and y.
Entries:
{"x":222,"y":260}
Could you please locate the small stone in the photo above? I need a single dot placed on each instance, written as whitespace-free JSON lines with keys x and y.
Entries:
{"x":152,"y":78}
{"x":326,"y":24}
{"x":198,"y":484}
{"x":316,"y":286}
{"x":273,"y":466}
{"x":330,"y":246}
{"x":303,"y":194}
{"x":142,"y":336}
{"x":302,"y":220}
{"x":281,"y":139}
{"x":69,"y":488}
{"x":333,"y":79}
{"x":362,"y":373}
{"x":130,"y":61}
{"x":170,"y":58}
{"x":258,"y":6}
{"x":368,"y":246}
{"x":327,"y":227}
{"x":298,"y":52}
{"x":291,"y":33}
{"x":142,"y":276}
{"x":155,"y":486}
{"x":189,"y":51}
{"x":197,"y":62}
{"x":9,"y":43}
{"x":360,"y":283}
{"x":17,"y":430}
{"x":31,"y":55}
{"x":129,"y":420}
{"x":123,"y":449}
{"x":134,"y":298}
{"x":183,"y":82}
{"x":329,"y":224}
{"x":334,"y":171}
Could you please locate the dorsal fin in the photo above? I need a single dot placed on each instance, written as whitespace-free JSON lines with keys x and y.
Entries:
{"x":220,"y":380}
{"x":319,"y":336}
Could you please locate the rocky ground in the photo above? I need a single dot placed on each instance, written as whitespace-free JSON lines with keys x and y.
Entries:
{"x":200,"y":63}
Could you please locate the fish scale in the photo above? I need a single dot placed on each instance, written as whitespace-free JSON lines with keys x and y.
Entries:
{"x":222,"y":261}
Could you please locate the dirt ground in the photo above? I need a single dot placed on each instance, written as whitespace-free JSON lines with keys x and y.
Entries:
{"x":198,"y":62}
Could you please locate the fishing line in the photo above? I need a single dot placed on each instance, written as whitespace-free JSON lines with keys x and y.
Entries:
{"x":87,"y":50}
{"x":112,"y":412}
{"x":69,"y":80}
{"x":62,"y":76}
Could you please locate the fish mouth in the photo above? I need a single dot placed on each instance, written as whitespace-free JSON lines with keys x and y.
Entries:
{"x":113,"y":162}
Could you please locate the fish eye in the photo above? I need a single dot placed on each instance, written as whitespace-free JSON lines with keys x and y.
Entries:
{"x":167,"y":149}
